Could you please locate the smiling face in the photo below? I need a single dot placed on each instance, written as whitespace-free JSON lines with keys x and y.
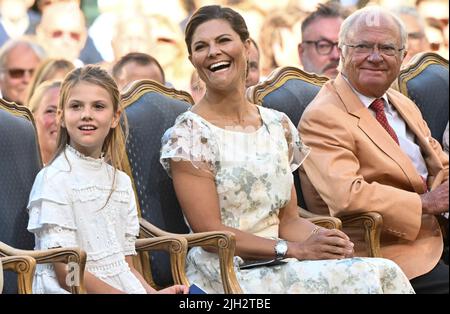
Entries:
{"x":327,"y":31}
{"x":372,"y":74}
{"x":88,"y":117}
{"x":253,"y":66}
{"x":20,"y":64}
{"x":219,"y":55}
{"x":46,"y":126}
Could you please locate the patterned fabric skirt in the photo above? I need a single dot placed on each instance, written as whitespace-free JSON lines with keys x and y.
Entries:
{"x":351,"y":275}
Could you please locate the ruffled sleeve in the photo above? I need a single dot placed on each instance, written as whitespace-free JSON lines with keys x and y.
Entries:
{"x":296,"y":149}
{"x":132,"y":227}
{"x":189,"y":139}
{"x":50,"y":212}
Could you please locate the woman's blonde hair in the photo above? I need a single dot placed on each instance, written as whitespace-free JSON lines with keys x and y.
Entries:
{"x":41,"y":90}
{"x":46,"y":71}
{"x":114,"y":143}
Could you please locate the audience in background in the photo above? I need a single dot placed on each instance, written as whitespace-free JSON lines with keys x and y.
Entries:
{"x":415,"y":26}
{"x":137,"y":66}
{"x":18,"y":61}
{"x":62,"y":31}
{"x":43,"y":104}
{"x":278,"y":33}
{"x":170,"y":51}
{"x":253,"y":72}
{"x":50,"y":69}
{"x":318,"y":50}
{"x":132,"y":33}
{"x":16,"y":19}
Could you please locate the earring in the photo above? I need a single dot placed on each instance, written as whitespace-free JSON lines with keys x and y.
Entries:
{"x":247,"y":68}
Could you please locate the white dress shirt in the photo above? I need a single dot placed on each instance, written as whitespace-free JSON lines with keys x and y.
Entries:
{"x":405,"y":137}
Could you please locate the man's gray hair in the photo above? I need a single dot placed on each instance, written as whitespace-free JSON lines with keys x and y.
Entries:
{"x":13,"y":43}
{"x":372,"y":15}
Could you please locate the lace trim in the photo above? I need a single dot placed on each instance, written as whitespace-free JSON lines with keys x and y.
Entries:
{"x":111,"y":251}
{"x":56,"y":236}
{"x":129,"y":247}
{"x":92,"y":193}
{"x":189,"y":139}
{"x":102,"y":271}
{"x":45,"y":269}
{"x":108,"y":270}
{"x":94,"y":161}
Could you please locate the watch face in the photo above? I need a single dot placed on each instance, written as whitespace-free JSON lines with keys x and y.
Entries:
{"x":281,"y":248}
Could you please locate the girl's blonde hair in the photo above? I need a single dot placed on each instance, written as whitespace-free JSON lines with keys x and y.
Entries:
{"x":46,"y":71}
{"x":114,"y":143}
{"x":41,"y":90}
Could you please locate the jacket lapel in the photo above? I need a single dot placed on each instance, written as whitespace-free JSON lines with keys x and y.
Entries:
{"x":423,"y":142}
{"x":377,"y":134}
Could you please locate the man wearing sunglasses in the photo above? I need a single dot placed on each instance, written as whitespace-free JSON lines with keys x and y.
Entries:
{"x":318,"y":50}
{"x":18,"y":59}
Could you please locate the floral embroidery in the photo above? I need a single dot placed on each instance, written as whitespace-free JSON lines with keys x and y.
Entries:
{"x":253,"y":177}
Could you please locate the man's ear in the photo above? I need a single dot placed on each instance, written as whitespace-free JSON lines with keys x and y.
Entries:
{"x":405,"y":52}
{"x":300,"y":52}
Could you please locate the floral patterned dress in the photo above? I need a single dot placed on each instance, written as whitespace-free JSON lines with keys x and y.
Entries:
{"x":252,"y":170}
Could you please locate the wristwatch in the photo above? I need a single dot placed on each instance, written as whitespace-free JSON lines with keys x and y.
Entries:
{"x":281,"y":248}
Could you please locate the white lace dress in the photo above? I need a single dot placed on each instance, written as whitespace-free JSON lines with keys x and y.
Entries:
{"x":253,"y":177}
{"x":67,"y":209}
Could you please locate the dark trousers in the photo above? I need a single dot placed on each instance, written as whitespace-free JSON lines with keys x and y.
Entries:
{"x":434,"y":282}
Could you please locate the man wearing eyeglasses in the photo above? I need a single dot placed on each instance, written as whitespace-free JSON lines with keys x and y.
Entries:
{"x":371,"y":151}
{"x":318,"y":50}
{"x":18,"y":59}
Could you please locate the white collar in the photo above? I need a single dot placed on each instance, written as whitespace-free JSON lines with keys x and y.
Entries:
{"x":366,"y":100}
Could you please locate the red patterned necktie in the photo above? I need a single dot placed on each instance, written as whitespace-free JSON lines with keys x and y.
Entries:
{"x":378,"y":107}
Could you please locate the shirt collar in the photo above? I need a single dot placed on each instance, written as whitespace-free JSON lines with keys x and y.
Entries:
{"x":367,"y":101}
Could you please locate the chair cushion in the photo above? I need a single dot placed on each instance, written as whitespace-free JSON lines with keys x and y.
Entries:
{"x":19,"y":164}
{"x":429,"y":90}
{"x":292,"y":98}
{"x":149,"y":117}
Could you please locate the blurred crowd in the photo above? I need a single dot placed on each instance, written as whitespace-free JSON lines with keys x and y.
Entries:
{"x":284,"y":32}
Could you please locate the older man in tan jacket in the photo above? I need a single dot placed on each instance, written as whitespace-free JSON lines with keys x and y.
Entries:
{"x":372,"y":151}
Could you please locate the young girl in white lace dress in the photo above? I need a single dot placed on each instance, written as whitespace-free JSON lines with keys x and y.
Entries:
{"x":81,"y":198}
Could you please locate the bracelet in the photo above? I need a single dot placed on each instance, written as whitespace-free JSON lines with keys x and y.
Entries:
{"x":316,"y":230}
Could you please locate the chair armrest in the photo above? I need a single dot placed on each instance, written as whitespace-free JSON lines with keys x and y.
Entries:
{"x":24,"y":266}
{"x":177,"y":248}
{"x":371,"y":222}
{"x":224,"y":241}
{"x":323,"y":221}
{"x":70,"y":256}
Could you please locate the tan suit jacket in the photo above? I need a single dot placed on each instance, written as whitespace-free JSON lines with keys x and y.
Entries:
{"x":355,"y":166}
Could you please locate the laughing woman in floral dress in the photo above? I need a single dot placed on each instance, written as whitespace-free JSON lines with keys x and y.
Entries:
{"x":231,"y":164}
